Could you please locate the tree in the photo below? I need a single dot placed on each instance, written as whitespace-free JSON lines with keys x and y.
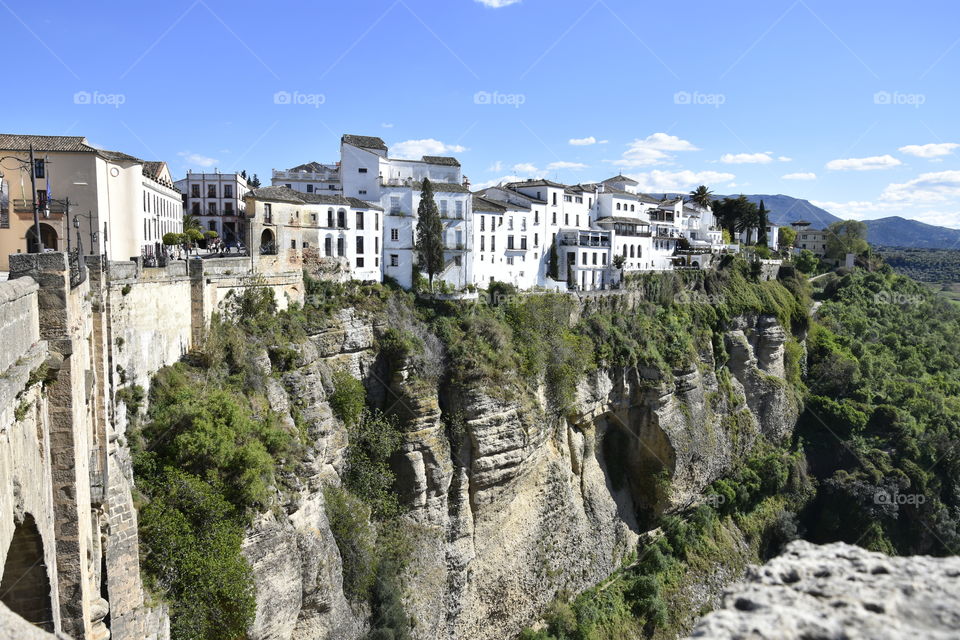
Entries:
{"x":735,"y":214}
{"x":254,"y":182}
{"x":807,"y":262}
{"x":788,"y":235}
{"x":702,"y":196}
{"x":553,"y":269}
{"x":429,"y":244}
{"x":762,"y":225}
{"x":173,"y":239}
{"x":846,"y":236}
{"x":190,"y":222}
{"x":211,"y":235}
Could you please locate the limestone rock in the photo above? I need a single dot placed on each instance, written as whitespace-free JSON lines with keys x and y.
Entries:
{"x":840,"y":592}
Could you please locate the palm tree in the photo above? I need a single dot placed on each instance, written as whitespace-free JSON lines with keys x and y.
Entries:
{"x":190,"y":222}
{"x":702,"y":196}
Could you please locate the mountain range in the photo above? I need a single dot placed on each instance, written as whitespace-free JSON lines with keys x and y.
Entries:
{"x":892,"y":231}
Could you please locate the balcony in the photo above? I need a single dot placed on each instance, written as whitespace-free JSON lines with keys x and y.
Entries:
{"x":26,"y":206}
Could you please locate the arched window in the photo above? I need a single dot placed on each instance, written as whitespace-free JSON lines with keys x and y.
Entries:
{"x":342,"y":219}
{"x":631,"y":251}
{"x":268,"y":243}
{"x":328,"y":246}
{"x":330,"y":217}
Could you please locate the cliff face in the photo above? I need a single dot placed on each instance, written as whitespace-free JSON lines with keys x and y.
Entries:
{"x":524,"y":503}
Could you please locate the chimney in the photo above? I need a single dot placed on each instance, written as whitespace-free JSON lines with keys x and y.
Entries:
{"x":466,"y":182}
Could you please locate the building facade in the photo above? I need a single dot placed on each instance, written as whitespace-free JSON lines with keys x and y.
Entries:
{"x":117,"y":203}
{"x":216,"y":200}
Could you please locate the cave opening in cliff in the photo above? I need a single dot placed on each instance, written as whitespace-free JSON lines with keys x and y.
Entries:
{"x":25,"y":587}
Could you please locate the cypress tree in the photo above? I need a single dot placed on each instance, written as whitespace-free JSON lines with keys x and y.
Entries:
{"x":762,"y":225}
{"x":429,"y":244}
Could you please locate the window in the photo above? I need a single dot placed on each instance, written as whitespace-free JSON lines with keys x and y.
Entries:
{"x":536,"y":239}
{"x":395,"y":205}
{"x":572,"y":258}
{"x":341,"y":218}
{"x":578,"y":221}
{"x":38,"y":168}
{"x":509,"y":242}
{"x":376,"y":221}
{"x":288,"y":186}
{"x":228,"y":191}
{"x":566,"y":219}
{"x":362,"y":170}
{"x":211,"y":208}
{"x":394,"y":260}
{"x":493,"y":243}
{"x":195,"y":209}
{"x":579,"y":199}
{"x":330,"y":217}
{"x":359,"y":219}
{"x":363,"y":192}
{"x":459,"y":209}
{"x":510,"y":223}
{"x":211,"y":191}
{"x":594,"y":258}
{"x":228,"y":208}
{"x":554,"y":199}
{"x":213,"y":225}
{"x":536,"y":217}
{"x":482,"y":227}
{"x":376,"y":244}
{"x":631,"y":208}
{"x":604,"y":256}
{"x":523,"y":242}
{"x":328,"y":247}
{"x":309,"y":188}
{"x":293,"y":244}
{"x":313,"y":218}
{"x":394,"y":235}
{"x":359,"y":244}
{"x":195,"y":190}
{"x":618,"y":206}
{"x":341,"y":247}
{"x":458,"y":260}
{"x":443,"y":208}
{"x":267,"y":212}
{"x":482,"y":238}
{"x":360,"y":263}
{"x":509,"y":259}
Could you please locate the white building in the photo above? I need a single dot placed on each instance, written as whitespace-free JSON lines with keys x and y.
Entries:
{"x":334,"y":231}
{"x":311,"y":177}
{"x":217,"y":201}
{"x":367,"y":173}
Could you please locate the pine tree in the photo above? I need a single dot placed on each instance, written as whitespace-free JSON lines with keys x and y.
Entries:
{"x":429,"y":244}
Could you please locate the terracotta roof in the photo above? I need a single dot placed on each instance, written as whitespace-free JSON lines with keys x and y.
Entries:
{"x":118,"y":156}
{"x":286,"y":194}
{"x":311,"y":167}
{"x":17,"y":142}
{"x":621,"y":178}
{"x":482,"y":204}
{"x":443,"y":187}
{"x":541,"y":182}
{"x":446,"y":160}
{"x":364,"y":142}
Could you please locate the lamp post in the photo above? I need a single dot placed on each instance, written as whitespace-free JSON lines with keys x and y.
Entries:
{"x":93,"y":234}
{"x":31,"y":164}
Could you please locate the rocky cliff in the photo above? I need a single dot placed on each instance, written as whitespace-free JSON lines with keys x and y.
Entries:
{"x":518,"y":503}
{"x":840,"y":592}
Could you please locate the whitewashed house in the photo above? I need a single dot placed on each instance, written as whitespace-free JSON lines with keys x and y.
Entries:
{"x":217,"y":201}
{"x":310,"y":177}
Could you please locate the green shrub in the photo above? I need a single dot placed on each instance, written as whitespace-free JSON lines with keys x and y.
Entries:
{"x":349,"y":519}
{"x":348,"y":398}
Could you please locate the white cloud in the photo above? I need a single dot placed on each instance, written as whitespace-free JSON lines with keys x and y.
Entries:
{"x":929,"y":150}
{"x":746,"y":158}
{"x":863,"y":164}
{"x":565,"y":165}
{"x":496,"y":167}
{"x":652,"y":150}
{"x":800,"y":176}
{"x":602,"y":141}
{"x":583,"y":142}
{"x":416,"y":149}
{"x":525,"y":167}
{"x":939,"y":186}
{"x":497,"y":4}
{"x":195,"y":159}
{"x":491,"y":183}
{"x":386,"y":125}
{"x":658,"y":181}
{"x":784,"y":158}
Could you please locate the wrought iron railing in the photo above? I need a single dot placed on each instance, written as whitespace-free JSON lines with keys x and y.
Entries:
{"x":78,"y":269}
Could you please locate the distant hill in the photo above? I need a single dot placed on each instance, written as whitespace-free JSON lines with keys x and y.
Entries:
{"x":893,"y":231}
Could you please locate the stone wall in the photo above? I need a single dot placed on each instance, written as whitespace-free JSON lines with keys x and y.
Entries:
{"x":73,"y":351}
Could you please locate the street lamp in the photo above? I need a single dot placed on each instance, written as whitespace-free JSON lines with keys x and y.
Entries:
{"x":31,"y":163}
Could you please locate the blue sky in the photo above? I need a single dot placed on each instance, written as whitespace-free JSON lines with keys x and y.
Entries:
{"x":851,"y":104}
